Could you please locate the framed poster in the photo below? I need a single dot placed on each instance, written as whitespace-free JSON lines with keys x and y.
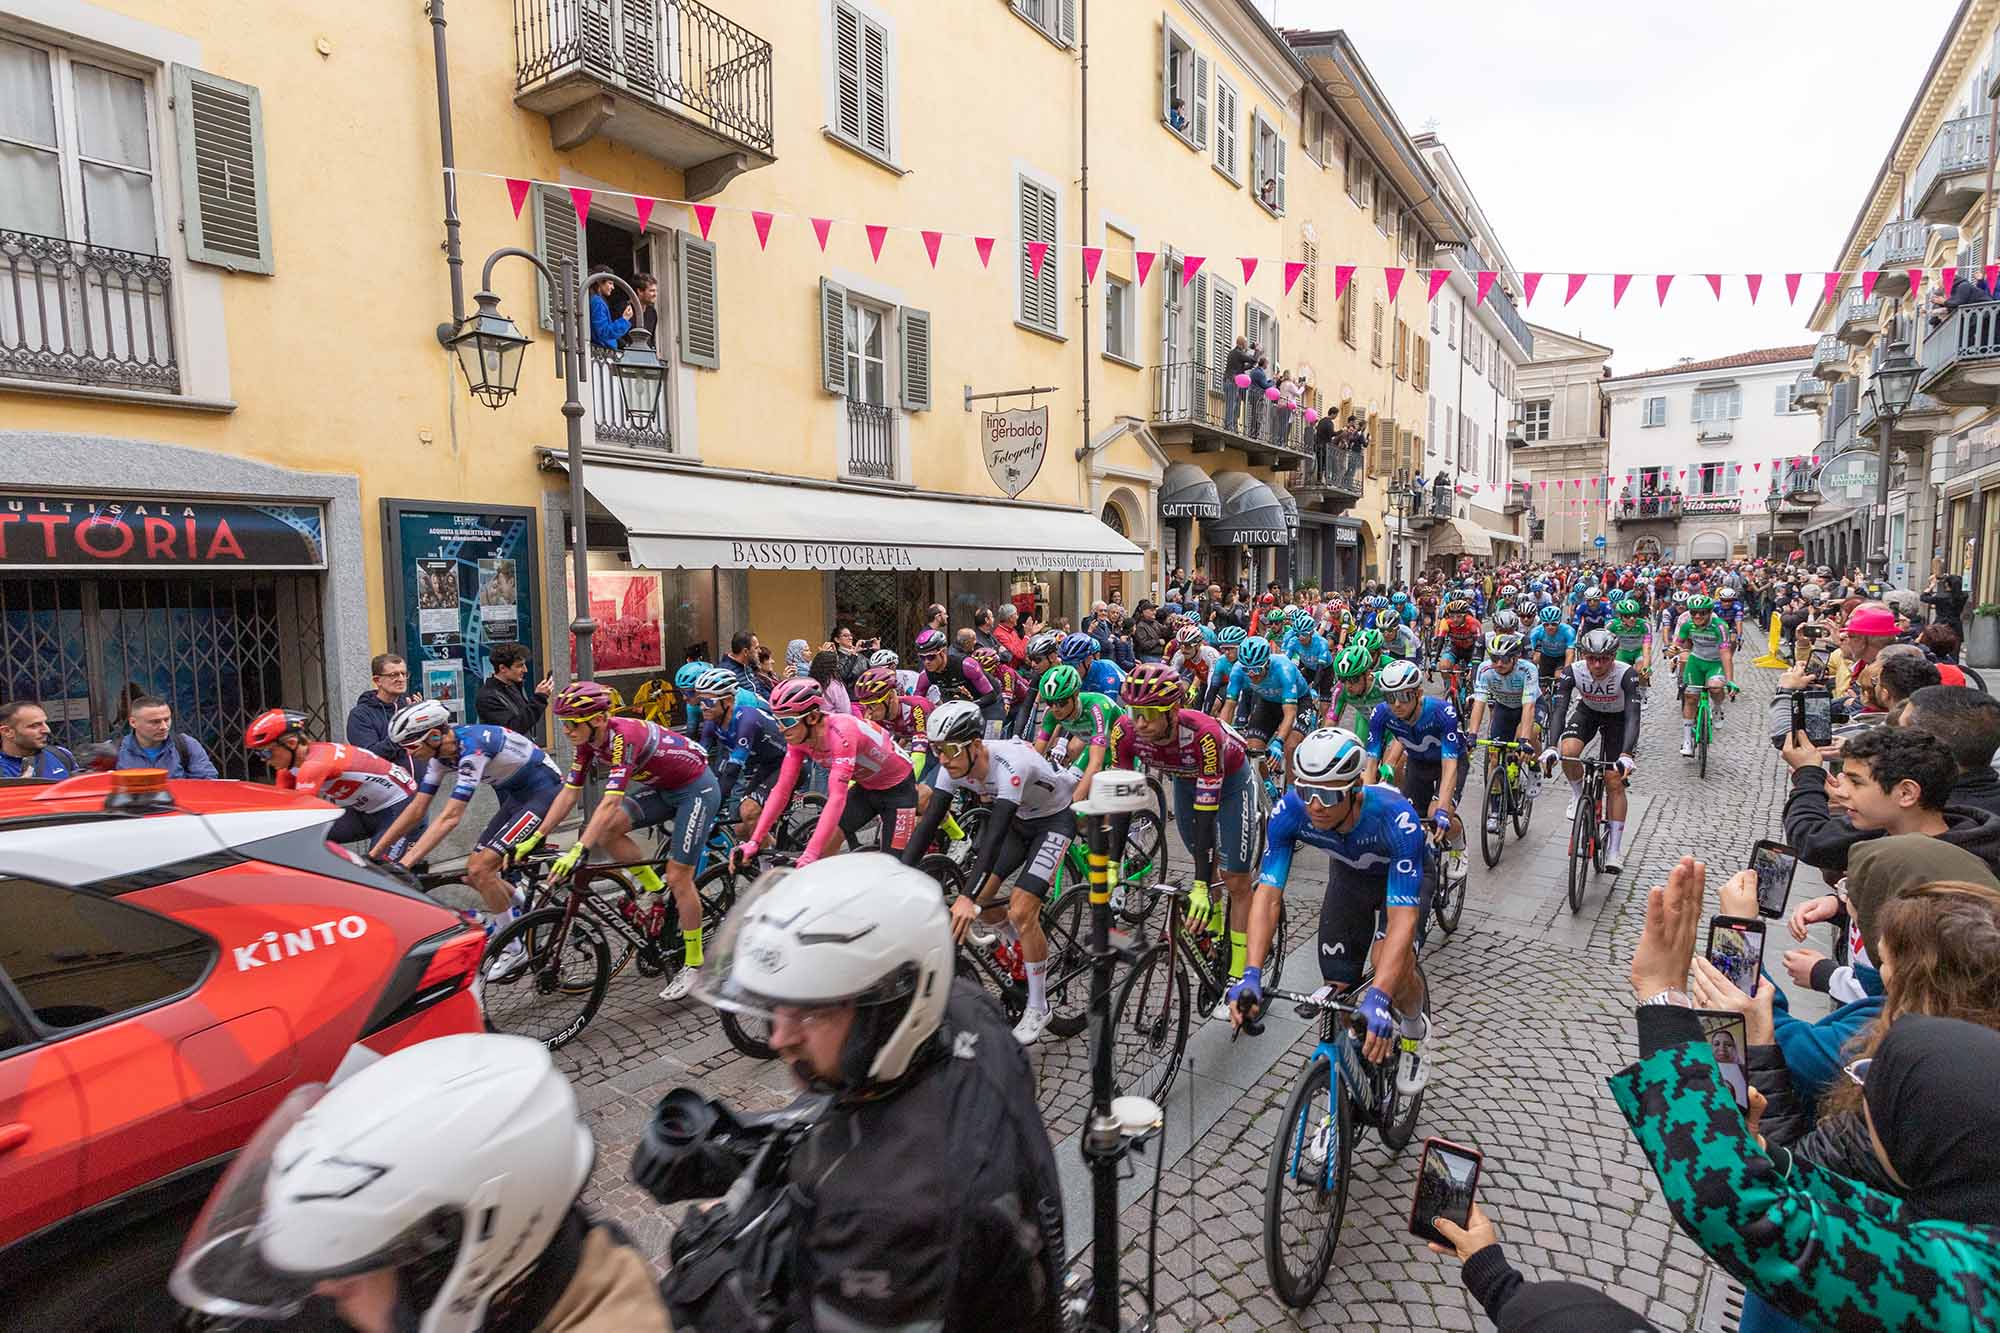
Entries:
{"x":460,"y":581}
{"x":629,"y":610}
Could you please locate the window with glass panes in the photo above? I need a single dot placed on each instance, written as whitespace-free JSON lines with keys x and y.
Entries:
{"x":1535,"y":414}
{"x":1719,"y":404}
{"x":867,"y":352}
{"x":77,"y":154}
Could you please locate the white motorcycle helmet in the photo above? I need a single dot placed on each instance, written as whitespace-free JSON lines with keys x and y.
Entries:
{"x":861,"y":929}
{"x":455,"y":1161}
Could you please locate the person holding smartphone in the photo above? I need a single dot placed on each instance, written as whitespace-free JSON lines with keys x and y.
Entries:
{"x":1514,"y":1303}
{"x":1892,"y":780}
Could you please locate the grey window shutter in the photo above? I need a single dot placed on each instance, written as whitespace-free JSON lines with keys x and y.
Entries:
{"x":916,"y":331}
{"x":1198,"y":336}
{"x":832,"y":337}
{"x":875,"y":87}
{"x":847,"y":72}
{"x":1221,"y":328}
{"x":557,"y":238}
{"x":1200,"y":100}
{"x":1167,"y":89}
{"x":1279,"y":140}
{"x":1068,"y":33}
{"x":701,"y":332}
{"x":1049,"y":294}
{"x":225,"y":203}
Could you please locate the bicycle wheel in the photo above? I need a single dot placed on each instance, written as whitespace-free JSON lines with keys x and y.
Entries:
{"x":801,"y":817}
{"x":1493,"y":827}
{"x":1524,"y":807}
{"x":1147,"y":853}
{"x":1305,"y":1186}
{"x":1974,"y":679}
{"x":1066,"y":927}
{"x":1149,"y":1025}
{"x":1399,"y":1122}
{"x":614,"y":890}
{"x":1582,"y":833}
{"x":556,"y":988}
{"x":1701,"y":729}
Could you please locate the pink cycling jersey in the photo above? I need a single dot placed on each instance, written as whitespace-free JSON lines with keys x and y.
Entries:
{"x":1199,"y":747}
{"x":637,"y":751}
{"x":854,"y":750}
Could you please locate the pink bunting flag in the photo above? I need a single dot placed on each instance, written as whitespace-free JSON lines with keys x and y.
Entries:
{"x":1144,"y":260}
{"x":1792,"y":286}
{"x":579,"y":199}
{"x":1832,"y":285}
{"x":1342,"y":275}
{"x":1714,"y":284}
{"x":1037,"y":252}
{"x":984,"y":245}
{"x":1529,"y":281}
{"x":1392,"y":278}
{"x":1576,"y":281}
{"x":1249,"y":268}
{"x":1755,"y":282}
{"x":1092,"y":256}
{"x":1916,"y":277}
{"x":932,"y":240}
{"x":1756,"y":467}
{"x":1293,"y":268}
{"x":1815,"y":460}
{"x":643,"y":206}
{"x":762,"y":222}
{"x":1662,"y":281}
{"x":1619,"y":282}
{"x":1483,"y":281}
{"x":877,"y":233}
{"x":1191,"y":265}
{"x":1992,"y":277}
{"x":704,"y":217}
{"x":1946,"y":277}
{"x":517,"y":194}
{"x":821,"y":226}
{"x":1868,"y":281}
{"x":1433,"y":279}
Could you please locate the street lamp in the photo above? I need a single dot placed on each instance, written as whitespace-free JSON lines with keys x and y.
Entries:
{"x":1895,"y":384}
{"x":490,"y":348}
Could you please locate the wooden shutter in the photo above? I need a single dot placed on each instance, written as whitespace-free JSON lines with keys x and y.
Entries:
{"x":1279,"y":141}
{"x":1222,"y":332}
{"x":1171,"y":351}
{"x":1200,"y":100}
{"x":1198,"y":336}
{"x":875,"y":87}
{"x":557,"y":237}
{"x":1309,"y":279}
{"x":639,"y":46}
{"x":225,"y":203}
{"x":1068,"y":33}
{"x":847,"y":72}
{"x":1226,"y":132}
{"x":832,"y":337}
{"x":916,"y":343}
{"x":1274,"y":333}
{"x":1382,"y":436}
{"x":701,"y":333}
{"x":1039,"y":293}
{"x":1167,"y":89}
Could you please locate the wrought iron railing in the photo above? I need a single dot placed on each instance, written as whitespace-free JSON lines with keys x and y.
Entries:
{"x":679,"y":55}
{"x":1649,"y":506}
{"x":1331,"y":467}
{"x":1865,"y":312}
{"x":616,"y":423}
{"x":1808,"y":391}
{"x":1181,"y":395}
{"x":1959,"y":145}
{"x":72,"y":313}
{"x":1901,"y":244}
{"x":1829,"y":355}
{"x":871,"y":441}
{"x":1970,"y":333}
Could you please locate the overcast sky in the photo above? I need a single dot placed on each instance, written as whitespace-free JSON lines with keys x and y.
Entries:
{"x":1690,"y":138}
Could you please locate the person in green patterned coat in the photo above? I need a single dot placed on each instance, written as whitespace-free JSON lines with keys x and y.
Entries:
{"x":1824,"y":1249}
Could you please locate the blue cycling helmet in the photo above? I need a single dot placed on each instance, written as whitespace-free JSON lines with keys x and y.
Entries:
{"x":1399,"y":597}
{"x":1207,"y":634}
{"x":1550,"y":615}
{"x":689,"y":673}
{"x":1076,"y":648}
{"x":1229,"y":636}
{"x":1256,"y":652}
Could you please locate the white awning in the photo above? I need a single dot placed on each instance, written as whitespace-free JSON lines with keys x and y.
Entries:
{"x":689,"y":520}
{"x":1461,"y":536}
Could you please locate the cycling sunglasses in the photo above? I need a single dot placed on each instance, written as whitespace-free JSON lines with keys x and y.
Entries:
{"x":950,"y":749}
{"x":788,"y":722}
{"x":1325,"y":797}
{"x":1151,"y":711}
{"x":1403,"y":696}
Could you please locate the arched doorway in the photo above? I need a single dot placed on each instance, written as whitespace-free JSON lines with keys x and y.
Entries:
{"x":1114,"y":581}
{"x":1709,"y":546}
{"x":1646,"y":548}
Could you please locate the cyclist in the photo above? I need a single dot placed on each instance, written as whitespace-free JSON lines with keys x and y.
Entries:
{"x":653,"y":775}
{"x":370,"y":791}
{"x":1398,"y":639}
{"x":1354,"y":687}
{"x":1607,"y":707}
{"x":1552,"y":642}
{"x":684,"y":680}
{"x":1214,"y":812}
{"x":1229,"y":642}
{"x":1729,"y":610}
{"x":1376,"y":898}
{"x":906,"y":679}
{"x":1425,"y":729}
{"x":953,"y":675}
{"x":1087,"y":719}
{"x":1701,"y":646}
{"x":743,"y":742}
{"x":1279,"y":690}
{"x":1505,"y":690}
{"x":1304,"y":644}
{"x":1100,"y":674}
{"x":902,"y":715}
{"x":1029,"y":828}
{"x":1043,"y":652}
{"x":867,"y":776}
{"x":1634,"y":634}
{"x":1460,"y":637}
{"x":1193,"y":660}
{"x":525,"y":780}
{"x":1592,"y":612}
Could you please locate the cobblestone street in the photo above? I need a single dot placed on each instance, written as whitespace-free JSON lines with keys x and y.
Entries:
{"x":1532,"y":1011}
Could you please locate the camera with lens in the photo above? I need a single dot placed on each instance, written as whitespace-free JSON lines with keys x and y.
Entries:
{"x":695,"y":1147}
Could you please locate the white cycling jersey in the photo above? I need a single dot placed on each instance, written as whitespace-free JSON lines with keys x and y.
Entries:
{"x":1015,"y":772}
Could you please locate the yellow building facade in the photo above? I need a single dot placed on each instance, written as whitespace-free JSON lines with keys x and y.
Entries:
{"x":239,"y":460}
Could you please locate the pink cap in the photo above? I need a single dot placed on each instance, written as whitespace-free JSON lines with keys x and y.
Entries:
{"x":1872,"y":621}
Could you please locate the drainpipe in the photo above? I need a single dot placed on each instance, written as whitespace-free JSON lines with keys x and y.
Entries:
{"x":1083,"y":212}
{"x":454,"y":261}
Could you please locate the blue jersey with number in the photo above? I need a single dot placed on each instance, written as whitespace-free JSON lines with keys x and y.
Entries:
{"x":1282,"y":683}
{"x":1552,"y":640}
{"x":492,"y":756}
{"x":1386,"y":843}
{"x":1103,"y":677}
{"x":1310,"y":650}
{"x":750,"y":737}
{"x":1429,"y":738}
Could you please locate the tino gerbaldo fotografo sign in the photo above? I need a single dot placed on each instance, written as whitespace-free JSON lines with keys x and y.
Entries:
{"x":1015,"y":442}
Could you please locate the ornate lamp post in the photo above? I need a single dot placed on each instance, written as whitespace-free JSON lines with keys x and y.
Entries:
{"x":1895,"y":384}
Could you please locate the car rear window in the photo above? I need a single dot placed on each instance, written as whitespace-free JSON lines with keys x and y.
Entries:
{"x":78,"y":958}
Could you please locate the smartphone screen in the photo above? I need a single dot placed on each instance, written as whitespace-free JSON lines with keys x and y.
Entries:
{"x":1736,"y":949}
{"x":1445,"y":1183}
{"x":1775,"y":865}
{"x":1728,"y":1037}
{"x":1819,"y":717}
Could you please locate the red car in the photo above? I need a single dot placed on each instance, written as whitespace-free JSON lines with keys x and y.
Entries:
{"x":176,"y":957}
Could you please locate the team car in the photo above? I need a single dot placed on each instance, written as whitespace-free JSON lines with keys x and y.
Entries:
{"x":176,"y":958}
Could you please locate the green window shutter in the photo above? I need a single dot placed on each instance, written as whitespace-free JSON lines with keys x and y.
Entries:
{"x":832,"y":337}
{"x":1222,"y":332}
{"x":700,"y":323}
{"x":225,"y":203}
{"x":847,"y":72}
{"x":916,"y":334}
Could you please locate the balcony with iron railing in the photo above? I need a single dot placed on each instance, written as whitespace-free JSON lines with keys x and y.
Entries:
{"x":1190,"y":407}
{"x":1646,"y":509}
{"x":672,"y":79}
{"x":1472,"y":263}
{"x":1330,"y":476}
{"x":1430,"y":503}
{"x":1898,"y":248}
{"x":612,"y":419}
{"x":1951,"y":175}
{"x":1830,"y":358}
{"x":871,"y":441}
{"x":1860,"y":318}
{"x":1961,"y":357}
{"x":86,"y":315}
{"x":1809,"y":392}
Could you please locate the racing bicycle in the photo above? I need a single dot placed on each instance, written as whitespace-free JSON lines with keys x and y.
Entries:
{"x":1587,"y":830}
{"x":1066,"y":926}
{"x":1507,"y":796}
{"x":1706,"y":715}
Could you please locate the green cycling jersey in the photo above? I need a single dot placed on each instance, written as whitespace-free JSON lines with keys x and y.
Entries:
{"x":1631,"y":635}
{"x":1703,"y":642}
{"x":1095,"y":719}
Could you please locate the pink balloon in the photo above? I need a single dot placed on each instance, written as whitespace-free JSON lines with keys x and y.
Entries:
{"x":1273,"y":395}
{"x":1242,"y":381}
{"x":1312,"y":415}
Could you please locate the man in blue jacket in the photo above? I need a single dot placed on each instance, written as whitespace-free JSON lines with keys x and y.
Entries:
{"x":25,"y":750}
{"x":368,"y":720}
{"x":153,"y":743}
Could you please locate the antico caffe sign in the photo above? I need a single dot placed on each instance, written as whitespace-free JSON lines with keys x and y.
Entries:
{"x":1015,"y":442}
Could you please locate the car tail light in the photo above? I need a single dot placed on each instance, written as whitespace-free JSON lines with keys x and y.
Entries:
{"x":436,"y":969}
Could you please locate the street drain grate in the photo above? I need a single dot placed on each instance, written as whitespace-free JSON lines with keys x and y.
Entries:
{"x":1721,"y":1304}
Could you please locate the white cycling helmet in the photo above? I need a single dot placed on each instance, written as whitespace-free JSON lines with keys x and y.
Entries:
{"x":415,"y":721}
{"x":716,"y":683}
{"x":455,"y":1160}
{"x":1400,"y":676}
{"x":1329,"y":757}
{"x":958,"y":720}
{"x":884,"y":657}
{"x":861,"y":929}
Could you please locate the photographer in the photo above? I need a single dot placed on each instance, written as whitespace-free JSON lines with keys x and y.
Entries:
{"x":926,"y":1194}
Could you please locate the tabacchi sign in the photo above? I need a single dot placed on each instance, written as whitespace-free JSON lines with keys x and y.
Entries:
{"x":1015,"y":443}
{"x":131,"y":532}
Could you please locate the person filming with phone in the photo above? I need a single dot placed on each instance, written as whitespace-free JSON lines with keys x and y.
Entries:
{"x":1892,"y":780}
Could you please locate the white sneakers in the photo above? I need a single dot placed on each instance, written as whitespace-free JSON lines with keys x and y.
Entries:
{"x":1569,"y":811}
{"x":1033,"y":1023}
{"x":1614,"y":861}
{"x":509,"y":961}
{"x":1415,"y":1068}
{"x":681,"y":985}
{"x":1687,"y":748}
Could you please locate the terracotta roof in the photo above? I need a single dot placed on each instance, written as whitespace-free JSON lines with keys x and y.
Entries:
{"x":1763,"y":356}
